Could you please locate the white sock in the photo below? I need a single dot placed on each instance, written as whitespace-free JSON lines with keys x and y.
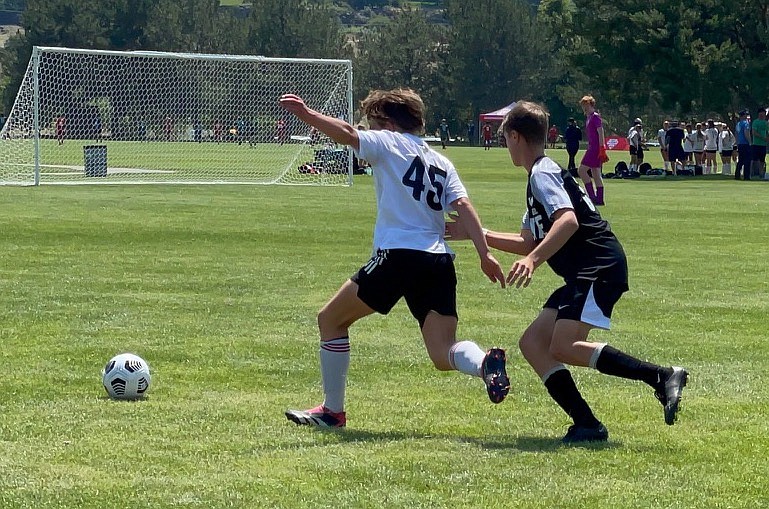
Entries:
{"x":726,"y":169}
{"x":334,"y":362}
{"x":466,"y":357}
{"x":667,"y":165}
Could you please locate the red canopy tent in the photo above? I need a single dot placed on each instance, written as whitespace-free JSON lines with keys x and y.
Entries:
{"x":497,"y":115}
{"x":493,"y":117}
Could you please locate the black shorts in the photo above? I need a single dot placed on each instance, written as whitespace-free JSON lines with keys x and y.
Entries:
{"x":758,"y":153}
{"x":726,"y":153}
{"x":427,"y":281}
{"x":676,"y":154}
{"x":586,"y":301}
{"x":633,"y":150}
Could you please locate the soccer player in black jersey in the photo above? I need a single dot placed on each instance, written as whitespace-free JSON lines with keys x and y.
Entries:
{"x":562,"y":227}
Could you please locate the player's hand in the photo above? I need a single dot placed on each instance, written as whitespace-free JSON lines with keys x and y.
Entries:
{"x":493,"y":270}
{"x":454,"y":229}
{"x":293,"y":103}
{"x":521,"y":273}
{"x":602,"y":155}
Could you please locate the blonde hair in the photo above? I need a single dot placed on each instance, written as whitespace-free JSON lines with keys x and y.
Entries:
{"x":402,"y":106}
{"x":588,"y":99}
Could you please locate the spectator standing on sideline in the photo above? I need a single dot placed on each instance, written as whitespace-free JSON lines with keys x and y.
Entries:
{"x":168,"y":128}
{"x":726,"y":144}
{"x":552,"y":136}
{"x":698,"y":144}
{"x":218,"y":131}
{"x":674,"y":140}
{"x":662,"y":140}
{"x":689,"y":144}
{"x":61,"y":125}
{"x":572,"y":135}
{"x":412,"y":259}
{"x":562,"y":228}
{"x":711,"y":148}
{"x":487,"y":136}
{"x":443,"y":130}
{"x":743,"y":147}
{"x":635,"y":140}
{"x":280,"y":131}
{"x":471,"y":132}
{"x":758,"y":133}
{"x":595,"y":155}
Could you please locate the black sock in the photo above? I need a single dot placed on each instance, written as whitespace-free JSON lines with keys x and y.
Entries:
{"x":561,"y":387}
{"x":616,"y":363}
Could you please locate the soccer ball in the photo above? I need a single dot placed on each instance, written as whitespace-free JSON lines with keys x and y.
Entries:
{"x":126,"y":376}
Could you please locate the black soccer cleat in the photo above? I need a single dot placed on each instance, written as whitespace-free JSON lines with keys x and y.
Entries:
{"x":670,"y":394}
{"x":494,"y":375}
{"x":579,"y":434}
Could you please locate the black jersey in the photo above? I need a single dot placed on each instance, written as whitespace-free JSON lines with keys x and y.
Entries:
{"x":593,"y":251}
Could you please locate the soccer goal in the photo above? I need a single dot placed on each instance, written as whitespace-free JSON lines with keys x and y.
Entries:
{"x":91,"y":116}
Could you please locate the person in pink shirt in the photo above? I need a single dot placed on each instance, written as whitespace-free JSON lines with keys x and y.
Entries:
{"x":590,"y":168}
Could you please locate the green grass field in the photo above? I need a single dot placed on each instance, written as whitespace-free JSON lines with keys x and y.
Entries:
{"x":217,"y":287}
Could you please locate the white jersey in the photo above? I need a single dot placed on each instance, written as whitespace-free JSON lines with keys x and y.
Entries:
{"x":726,"y":140}
{"x":711,"y":138}
{"x":698,"y":141}
{"x":688,"y":145}
{"x":414,"y":186}
{"x":661,"y":138}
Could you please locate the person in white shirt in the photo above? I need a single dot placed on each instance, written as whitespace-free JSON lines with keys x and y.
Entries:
{"x":415,"y":188}
{"x":662,"y":140}
{"x":688,"y":144}
{"x":726,"y":143}
{"x":698,"y":144}
{"x":711,"y":148}
{"x":635,"y":140}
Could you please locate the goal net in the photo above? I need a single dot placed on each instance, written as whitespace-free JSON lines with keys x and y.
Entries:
{"x":91,"y":116}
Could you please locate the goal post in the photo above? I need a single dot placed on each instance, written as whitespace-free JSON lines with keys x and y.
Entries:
{"x":124,"y":117}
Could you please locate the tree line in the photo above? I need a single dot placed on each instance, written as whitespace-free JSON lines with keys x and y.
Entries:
{"x":649,"y":59}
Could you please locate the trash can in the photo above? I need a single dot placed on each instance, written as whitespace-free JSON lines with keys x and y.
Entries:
{"x":95,"y":160}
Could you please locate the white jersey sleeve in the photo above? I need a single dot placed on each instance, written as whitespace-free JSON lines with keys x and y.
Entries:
{"x":414,"y":187}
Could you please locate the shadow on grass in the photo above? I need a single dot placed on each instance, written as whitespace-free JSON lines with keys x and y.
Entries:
{"x":506,"y":442}
{"x":537,"y":444}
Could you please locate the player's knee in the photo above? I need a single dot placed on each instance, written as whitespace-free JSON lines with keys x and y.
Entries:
{"x":561,"y":351}
{"x":328,"y":324}
{"x":528,"y":342}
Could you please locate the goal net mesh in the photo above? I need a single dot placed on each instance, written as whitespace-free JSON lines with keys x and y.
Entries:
{"x":87,"y":116}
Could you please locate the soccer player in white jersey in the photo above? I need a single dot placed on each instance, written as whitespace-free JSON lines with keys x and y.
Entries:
{"x":711,"y":147}
{"x":562,"y":227}
{"x":662,"y":139}
{"x":726,"y":144}
{"x":635,"y":138}
{"x":415,"y":187}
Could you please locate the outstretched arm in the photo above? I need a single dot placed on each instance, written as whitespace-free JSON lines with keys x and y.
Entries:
{"x":516,"y":243}
{"x":565,"y":224}
{"x":468,"y":220}
{"x":335,"y":128}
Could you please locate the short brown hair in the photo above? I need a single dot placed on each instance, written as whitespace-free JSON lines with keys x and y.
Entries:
{"x":402,"y":106}
{"x":529,"y":120}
